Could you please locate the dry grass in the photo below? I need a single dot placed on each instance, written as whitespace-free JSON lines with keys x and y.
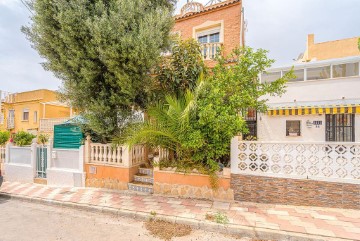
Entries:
{"x":166,"y":230}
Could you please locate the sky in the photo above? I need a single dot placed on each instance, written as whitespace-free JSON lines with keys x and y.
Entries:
{"x":280,"y":26}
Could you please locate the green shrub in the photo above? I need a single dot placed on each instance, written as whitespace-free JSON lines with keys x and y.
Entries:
{"x":23,"y":138}
{"x":43,"y":139}
{"x":4,"y":137}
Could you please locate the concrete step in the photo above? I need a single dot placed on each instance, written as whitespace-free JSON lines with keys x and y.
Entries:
{"x":146,"y":171}
{"x":143,"y":178}
{"x":41,"y":181}
{"x":140,"y":187}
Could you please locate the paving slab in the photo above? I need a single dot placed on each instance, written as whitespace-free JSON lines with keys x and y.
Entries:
{"x":263,"y":221}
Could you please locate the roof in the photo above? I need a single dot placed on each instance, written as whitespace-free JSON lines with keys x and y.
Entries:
{"x":76,"y":120}
{"x":207,"y":9}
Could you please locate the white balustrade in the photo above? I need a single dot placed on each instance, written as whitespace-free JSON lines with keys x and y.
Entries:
{"x":47,"y":125}
{"x":108,"y":154}
{"x":326,"y":161}
{"x":210,"y":50}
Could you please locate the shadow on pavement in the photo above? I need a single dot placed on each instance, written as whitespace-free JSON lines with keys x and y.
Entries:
{"x":4,"y":198}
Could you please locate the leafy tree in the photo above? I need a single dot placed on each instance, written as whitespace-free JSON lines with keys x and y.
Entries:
{"x":23,"y":138}
{"x":228,"y":91}
{"x":4,"y":137}
{"x":102,"y":50}
{"x":181,"y":70}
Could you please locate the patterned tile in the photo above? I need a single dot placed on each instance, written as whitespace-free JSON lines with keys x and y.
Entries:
{"x":307,"y":220}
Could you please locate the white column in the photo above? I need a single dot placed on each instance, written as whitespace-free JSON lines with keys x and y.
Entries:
{"x":49,"y":154}
{"x":7,"y":152}
{"x":126,"y":155}
{"x":33,"y":155}
{"x":81,"y":158}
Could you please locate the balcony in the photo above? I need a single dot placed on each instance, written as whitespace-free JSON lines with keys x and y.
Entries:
{"x":209,"y":50}
{"x":47,"y":125}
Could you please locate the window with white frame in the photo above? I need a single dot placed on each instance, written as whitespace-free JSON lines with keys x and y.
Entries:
{"x":25,"y":115}
{"x":2,"y":118}
{"x":209,"y":40}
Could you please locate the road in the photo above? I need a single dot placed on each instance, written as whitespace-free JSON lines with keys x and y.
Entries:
{"x":22,"y":221}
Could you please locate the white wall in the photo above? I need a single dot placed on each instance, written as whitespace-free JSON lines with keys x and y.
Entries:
{"x":273,"y":128}
{"x":320,"y":90}
{"x":19,"y":165}
{"x":66,"y":168}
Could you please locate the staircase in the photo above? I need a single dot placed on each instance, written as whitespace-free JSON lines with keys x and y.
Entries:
{"x":143,"y":181}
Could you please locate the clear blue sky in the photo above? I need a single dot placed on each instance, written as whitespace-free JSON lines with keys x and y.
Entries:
{"x":280,"y":26}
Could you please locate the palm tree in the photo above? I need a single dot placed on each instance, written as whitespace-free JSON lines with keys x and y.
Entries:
{"x":169,"y":126}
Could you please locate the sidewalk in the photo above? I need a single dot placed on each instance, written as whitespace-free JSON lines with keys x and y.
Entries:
{"x":264,"y":221}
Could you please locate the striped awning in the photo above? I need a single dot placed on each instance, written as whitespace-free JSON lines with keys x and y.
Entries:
{"x":314,"y":108}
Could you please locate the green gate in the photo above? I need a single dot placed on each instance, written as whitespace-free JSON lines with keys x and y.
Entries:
{"x":41,"y":161}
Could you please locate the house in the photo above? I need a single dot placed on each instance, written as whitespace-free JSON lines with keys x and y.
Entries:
{"x":330,"y":50}
{"x":323,"y":103}
{"x":219,"y":24}
{"x":33,"y":111}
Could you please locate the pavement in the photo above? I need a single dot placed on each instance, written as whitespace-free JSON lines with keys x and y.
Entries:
{"x":27,"y":221}
{"x":261,"y":221}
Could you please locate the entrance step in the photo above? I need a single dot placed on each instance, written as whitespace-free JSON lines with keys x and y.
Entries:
{"x":141,"y":187}
{"x":146,"y":171}
{"x":143,"y":178}
{"x":41,"y":181}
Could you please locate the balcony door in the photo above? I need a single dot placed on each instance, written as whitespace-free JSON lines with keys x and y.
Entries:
{"x":340,"y":128}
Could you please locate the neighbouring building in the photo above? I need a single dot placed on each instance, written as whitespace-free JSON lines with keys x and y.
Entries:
{"x":330,"y":50}
{"x":215,"y":25}
{"x":33,"y":111}
{"x":321,"y":104}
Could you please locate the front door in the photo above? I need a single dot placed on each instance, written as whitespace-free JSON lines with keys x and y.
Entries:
{"x":340,"y":128}
{"x":41,"y":161}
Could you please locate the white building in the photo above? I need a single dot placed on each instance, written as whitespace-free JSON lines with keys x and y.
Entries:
{"x":321,"y":104}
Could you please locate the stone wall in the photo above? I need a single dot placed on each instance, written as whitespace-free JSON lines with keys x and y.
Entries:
{"x":191,"y":186}
{"x":303,"y":192}
{"x":109,"y":176}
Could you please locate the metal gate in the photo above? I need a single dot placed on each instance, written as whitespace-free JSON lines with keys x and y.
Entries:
{"x":41,"y":161}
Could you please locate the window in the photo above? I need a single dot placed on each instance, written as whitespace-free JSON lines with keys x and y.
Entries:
{"x":270,"y":77}
{"x":25,"y":115}
{"x":293,"y":128}
{"x":345,"y":70}
{"x":1,"y":118}
{"x":210,"y":40}
{"x":298,"y":73}
{"x":318,"y":73}
{"x":340,"y":128}
{"x":35,"y":116}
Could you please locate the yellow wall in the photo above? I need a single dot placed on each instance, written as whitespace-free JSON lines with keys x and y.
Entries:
{"x":330,"y":50}
{"x":33,"y":101}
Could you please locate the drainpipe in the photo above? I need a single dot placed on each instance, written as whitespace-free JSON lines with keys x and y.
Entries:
{"x":242,"y":29}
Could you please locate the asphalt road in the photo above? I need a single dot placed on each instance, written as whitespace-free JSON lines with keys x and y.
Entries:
{"x":21,"y":221}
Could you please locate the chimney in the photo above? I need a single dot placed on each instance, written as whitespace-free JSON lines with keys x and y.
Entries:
{"x":310,"y":39}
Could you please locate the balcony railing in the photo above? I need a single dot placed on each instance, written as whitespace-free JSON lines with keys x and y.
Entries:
{"x":209,"y":50}
{"x":47,"y":125}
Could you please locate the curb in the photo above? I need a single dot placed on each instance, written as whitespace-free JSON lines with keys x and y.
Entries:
{"x":232,"y":229}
